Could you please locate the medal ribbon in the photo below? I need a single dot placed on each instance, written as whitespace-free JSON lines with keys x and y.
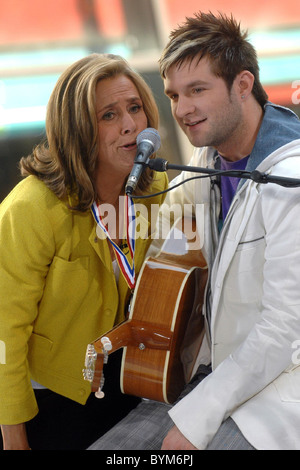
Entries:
{"x":126,"y":267}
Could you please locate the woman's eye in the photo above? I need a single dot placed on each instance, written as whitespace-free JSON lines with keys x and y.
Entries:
{"x":108,"y":116}
{"x":135,"y":108}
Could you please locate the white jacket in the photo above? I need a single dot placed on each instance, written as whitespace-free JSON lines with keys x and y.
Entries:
{"x":255,"y":308}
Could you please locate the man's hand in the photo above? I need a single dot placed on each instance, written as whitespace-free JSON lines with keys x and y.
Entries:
{"x":175,"y":440}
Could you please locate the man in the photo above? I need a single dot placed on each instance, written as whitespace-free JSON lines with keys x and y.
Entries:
{"x":251,"y":399}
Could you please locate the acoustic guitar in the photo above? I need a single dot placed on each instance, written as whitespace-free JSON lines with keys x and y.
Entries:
{"x":164,"y":330}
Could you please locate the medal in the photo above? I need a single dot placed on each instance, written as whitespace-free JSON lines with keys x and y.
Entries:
{"x":125,"y":262}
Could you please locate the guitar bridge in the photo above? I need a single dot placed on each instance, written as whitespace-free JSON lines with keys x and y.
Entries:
{"x":90,"y":360}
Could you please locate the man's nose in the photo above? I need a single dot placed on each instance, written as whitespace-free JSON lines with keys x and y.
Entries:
{"x":183,"y":107}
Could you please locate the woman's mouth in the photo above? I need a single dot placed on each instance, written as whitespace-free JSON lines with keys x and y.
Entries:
{"x":130,"y":146}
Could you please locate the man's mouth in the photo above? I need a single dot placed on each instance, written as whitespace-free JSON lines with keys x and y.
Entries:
{"x":194,"y":123}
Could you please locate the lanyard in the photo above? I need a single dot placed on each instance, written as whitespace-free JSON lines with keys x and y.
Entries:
{"x":125,"y":262}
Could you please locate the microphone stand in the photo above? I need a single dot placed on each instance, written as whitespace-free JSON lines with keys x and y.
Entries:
{"x":159,"y":164}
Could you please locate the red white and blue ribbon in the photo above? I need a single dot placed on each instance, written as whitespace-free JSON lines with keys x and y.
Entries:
{"x":125,"y":262}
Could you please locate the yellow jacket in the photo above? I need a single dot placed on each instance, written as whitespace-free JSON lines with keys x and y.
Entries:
{"x":57,"y":293}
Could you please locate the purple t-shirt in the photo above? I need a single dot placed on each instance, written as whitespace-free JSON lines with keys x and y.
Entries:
{"x":229,"y":184}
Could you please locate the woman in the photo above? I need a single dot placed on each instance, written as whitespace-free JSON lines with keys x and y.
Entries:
{"x":60,"y":284}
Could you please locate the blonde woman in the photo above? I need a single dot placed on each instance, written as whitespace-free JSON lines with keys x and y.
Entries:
{"x":60,"y":284}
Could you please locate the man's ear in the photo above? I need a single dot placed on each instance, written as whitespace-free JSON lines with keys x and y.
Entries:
{"x":244,"y":83}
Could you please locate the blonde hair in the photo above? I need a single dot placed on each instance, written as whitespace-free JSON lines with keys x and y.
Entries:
{"x":220,"y":39}
{"x":66,"y":161}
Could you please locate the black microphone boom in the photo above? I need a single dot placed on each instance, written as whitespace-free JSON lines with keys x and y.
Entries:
{"x":159,"y":164}
{"x":148,"y":142}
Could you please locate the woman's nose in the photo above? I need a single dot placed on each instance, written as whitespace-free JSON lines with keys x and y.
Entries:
{"x":128,"y":124}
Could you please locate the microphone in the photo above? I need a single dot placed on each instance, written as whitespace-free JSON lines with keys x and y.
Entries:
{"x":148,"y":142}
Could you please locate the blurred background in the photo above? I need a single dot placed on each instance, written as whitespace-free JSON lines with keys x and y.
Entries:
{"x":38,"y":40}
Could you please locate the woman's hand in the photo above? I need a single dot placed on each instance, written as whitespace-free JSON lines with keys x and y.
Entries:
{"x":175,"y":440}
{"x":14,"y":437}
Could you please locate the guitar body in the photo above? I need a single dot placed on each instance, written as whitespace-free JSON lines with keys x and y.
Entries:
{"x":164,"y":330}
